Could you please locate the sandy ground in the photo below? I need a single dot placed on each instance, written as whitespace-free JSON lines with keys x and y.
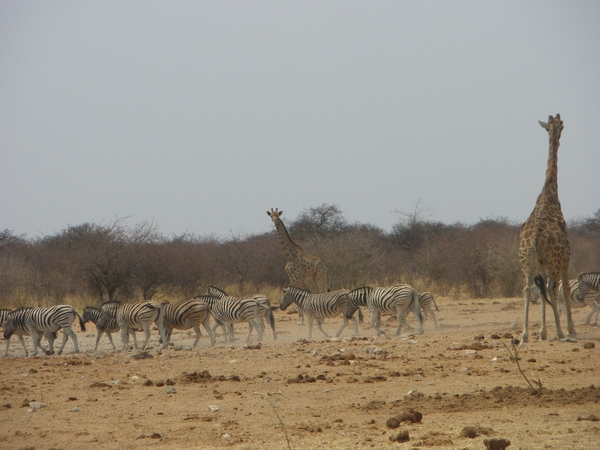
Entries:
{"x":298,"y":394}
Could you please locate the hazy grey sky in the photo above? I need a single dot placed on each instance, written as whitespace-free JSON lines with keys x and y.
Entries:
{"x":200,"y":116}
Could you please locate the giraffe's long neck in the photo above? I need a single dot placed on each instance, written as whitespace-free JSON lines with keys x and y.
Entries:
{"x":551,"y":182}
{"x":289,"y":248}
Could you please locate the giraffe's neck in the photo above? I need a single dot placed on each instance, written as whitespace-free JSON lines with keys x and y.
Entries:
{"x":551,"y":182}
{"x":289,"y":248}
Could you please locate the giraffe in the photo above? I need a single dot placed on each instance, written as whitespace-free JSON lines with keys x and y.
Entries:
{"x":544,"y":245}
{"x":303,"y":270}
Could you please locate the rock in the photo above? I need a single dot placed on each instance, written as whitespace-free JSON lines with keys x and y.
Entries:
{"x":75,"y":410}
{"x":170,"y":390}
{"x":400,"y":437}
{"x":407,"y":416}
{"x":256,"y":346}
{"x":472,"y":432}
{"x":496,"y":443}
{"x":392,"y":422}
{"x":37,"y":405}
{"x":589,"y":345}
{"x":213,"y":408}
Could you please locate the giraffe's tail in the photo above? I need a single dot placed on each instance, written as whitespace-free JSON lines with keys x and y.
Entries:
{"x":539,"y":282}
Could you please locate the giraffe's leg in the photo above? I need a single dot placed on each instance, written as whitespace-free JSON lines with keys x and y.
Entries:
{"x":567,"y":298}
{"x":527,"y":295}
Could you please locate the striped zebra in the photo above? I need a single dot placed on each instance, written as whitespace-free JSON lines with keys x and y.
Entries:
{"x":230,"y":310}
{"x":266,"y":310}
{"x":587,"y":282}
{"x":591,"y":299}
{"x":132,"y":316}
{"x":105,"y":319}
{"x":17,"y":318}
{"x":319,"y":306}
{"x":396,"y":299}
{"x":185,"y":315}
{"x":45,"y":321}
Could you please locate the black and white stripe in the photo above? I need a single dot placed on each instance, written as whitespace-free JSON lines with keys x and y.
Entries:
{"x":427,"y":303}
{"x":265,"y":308}
{"x":47,"y":321}
{"x":589,"y":281}
{"x":18,"y":326}
{"x":105,"y":319}
{"x":319,"y":306}
{"x":132,"y":316}
{"x":230,"y":310}
{"x":396,"y":299}
{"x":185,"y":315}
{"x":591,"y":299}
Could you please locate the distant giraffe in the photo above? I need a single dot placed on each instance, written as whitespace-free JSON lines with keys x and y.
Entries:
{"x":303,"y":270}
{"x":544,"y":245}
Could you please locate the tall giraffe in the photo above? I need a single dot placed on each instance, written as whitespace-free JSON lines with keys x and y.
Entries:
{"x":544,"y":245}
{"x":303,"y":270}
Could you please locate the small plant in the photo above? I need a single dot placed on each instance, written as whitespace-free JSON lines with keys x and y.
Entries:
{"x":514,"y":356}
{"x":281,"y":422}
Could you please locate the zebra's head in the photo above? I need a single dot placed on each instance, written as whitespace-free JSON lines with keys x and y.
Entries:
{"x":9,"y":327}
{"x":89,"y":313}
{"x":216,"y":292}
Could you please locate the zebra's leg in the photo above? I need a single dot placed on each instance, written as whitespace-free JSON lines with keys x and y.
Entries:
{"x":375,"y":321}
{"x":300,"y":316}
{"x":64,"y":340}
{"x":416,"y":310}
{"x":132,"y":332}
{"x":433,"y":317}
{"x":73,"y":336}
{"x":110,"y":339}
{"x":98,"y":336}
{"x":161,"y":330}
{"x":206,"y":325}
{"x":125,"y":337}
{"x":198,"y":334}
{"x":250,"y":327}
{"x":310,"y":325}
{"x":146,"y":336}
{"x":320,"y":321}
{"x":346,"y":323}
{"x":22,"y":343}
{"x":401,"y":315}
{"x":8,"y":345}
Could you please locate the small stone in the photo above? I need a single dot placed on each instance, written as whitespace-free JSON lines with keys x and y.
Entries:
{"x":170,"y":390}
{"x":496,"y":443}
{"x":226,"y":436}
{"x":37,"y":405}
{"x":213,"y":408}
{"x":589,"y":345}
{"x":400,"y":437}
{"x":407,"y":416}
{"x":392,"y":422}
{"x":75,"y":410}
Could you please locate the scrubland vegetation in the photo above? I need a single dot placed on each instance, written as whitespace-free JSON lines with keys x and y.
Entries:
{"x":91,"y":263}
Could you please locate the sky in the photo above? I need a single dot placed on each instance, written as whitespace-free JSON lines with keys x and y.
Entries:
{"x":199,"y":116}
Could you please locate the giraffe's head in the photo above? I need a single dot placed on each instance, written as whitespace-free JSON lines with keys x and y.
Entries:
{"x":274,"y":214}
{"x":554,"y":126}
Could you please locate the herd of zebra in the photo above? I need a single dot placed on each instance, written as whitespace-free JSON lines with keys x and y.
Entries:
{"x":113,"y":316}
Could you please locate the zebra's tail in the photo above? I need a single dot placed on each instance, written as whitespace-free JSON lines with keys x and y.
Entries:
{"x":539,"y":282}
{"x":81,"y":322}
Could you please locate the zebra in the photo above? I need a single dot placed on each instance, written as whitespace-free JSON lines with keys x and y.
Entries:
{"x":386,"y":300}
{"x":105,"y":319}
{"x":185,"y":315}
{"x":18,"y":321}
{"x":319,"y":306}
{"x":46,"y":321}
{"x":426,"y":302}
{"x":140,"y":315}
{"x":229,"y":310}
{"x":588,"y":281}
{"x":591,"y":299}
{"x":263,"y":301}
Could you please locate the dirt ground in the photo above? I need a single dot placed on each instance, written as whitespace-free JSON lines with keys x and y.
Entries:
{"x":297,"y":394}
